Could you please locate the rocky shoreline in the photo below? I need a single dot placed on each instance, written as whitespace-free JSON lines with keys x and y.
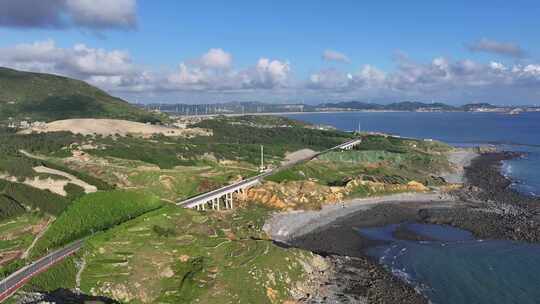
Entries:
{"x":486,"y":205}
{"x":491,"y":208}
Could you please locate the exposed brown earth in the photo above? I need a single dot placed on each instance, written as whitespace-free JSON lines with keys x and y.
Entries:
{"x":8,"y":256}
{"x":106,"y":127}
{"x":309,"y":195}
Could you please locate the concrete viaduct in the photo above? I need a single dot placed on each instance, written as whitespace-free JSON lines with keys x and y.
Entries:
{"x":223,"y":197}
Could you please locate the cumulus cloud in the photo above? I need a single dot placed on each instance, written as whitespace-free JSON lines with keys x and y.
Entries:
{"x":265,"y":74}
{"x":331,"y":55}
{"x":440,"y":77}
{"x":214,"y":73}
{"x":79,"y":61}
{"x":496,"y":47}
{"x":329,"y":79}
{"x":216,"y":58}
{"x":114,"y":69}
{"x":110,"y":69}
{"x":88,"y":14}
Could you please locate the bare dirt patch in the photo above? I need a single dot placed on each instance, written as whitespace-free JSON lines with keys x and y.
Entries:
{"x":6,"y":257}
{"x":299,"y":155}
{"x":57,"y":186}
{"x":106,"y":127}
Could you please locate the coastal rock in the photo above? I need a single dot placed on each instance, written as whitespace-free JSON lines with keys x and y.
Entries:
{"x":494,"y":210}
{"x":359,"y":280}
{"x":295,"y":195}
{"x":310,"y":195}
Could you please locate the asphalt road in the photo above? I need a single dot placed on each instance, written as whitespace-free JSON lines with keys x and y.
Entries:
{"x":16,"y":280}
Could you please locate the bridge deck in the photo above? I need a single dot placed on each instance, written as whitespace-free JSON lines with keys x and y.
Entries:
{"x":206,"y":197}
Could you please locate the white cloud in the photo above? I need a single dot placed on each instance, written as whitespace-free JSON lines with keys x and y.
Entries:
{"x":497,"y":66}
{"x":110,"y":69}
{"x":371,"y":75}
{"x":91,"y":61}
{"x":329,"y":79}
{"x":214,"y":73}
{"x":271,"y":73}
{"x":331,"y":55}
{"x":496,"y":47}
{"x":439,"y":78}
{"x":532,"y":70}
{"x":216,"y":59}
{"x":78,"y":61}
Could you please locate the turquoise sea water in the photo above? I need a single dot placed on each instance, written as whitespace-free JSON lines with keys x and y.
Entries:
{"x":512,"y":132}
{"x":456,"y":268}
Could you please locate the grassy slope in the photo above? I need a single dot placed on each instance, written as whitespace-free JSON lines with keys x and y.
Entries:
{"x":93,"y":213}
{"x":175,"y":255}
{"x":391,"y":160}
{"x":48,"y":97}
{"x":233,"y":138}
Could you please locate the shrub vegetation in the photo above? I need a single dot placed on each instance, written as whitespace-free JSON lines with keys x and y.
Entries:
{"x":36,"y":199}
{"x":93,"y":213}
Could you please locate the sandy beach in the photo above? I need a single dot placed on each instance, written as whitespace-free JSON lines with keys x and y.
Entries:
{"x":286,"y":225}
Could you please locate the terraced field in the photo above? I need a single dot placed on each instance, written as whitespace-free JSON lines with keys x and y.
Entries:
{"x":16,"y":235}
{"x":175,"y":255}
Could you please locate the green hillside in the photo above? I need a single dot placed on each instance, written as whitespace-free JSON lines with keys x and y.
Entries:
{"x":36,"y":96}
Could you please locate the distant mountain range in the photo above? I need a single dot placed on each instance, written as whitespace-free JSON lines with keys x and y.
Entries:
{"x":412,"y":106}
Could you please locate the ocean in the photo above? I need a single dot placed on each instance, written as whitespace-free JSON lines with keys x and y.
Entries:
{"x":456,"y":267}
{"x":511,"y":132}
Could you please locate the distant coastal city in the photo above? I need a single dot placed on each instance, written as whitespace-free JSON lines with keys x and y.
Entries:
{"x":253,"y":107}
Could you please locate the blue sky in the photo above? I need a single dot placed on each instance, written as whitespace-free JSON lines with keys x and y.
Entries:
{"x":282,"y":51}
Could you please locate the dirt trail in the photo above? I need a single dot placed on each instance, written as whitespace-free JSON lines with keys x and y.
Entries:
{"x":28,"y":154}
{"x":38,"y":236}
{"x":78,"y":276}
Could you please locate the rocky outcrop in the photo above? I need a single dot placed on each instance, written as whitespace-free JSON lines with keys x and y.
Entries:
{"x":378,"y":187}
{"x":310,"y":195}
{"x":295,"y":195}
{"x":495,"y":210}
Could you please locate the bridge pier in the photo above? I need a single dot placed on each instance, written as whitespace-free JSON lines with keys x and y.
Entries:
{"x":216,"y":203}
{"x":229,"y":200}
